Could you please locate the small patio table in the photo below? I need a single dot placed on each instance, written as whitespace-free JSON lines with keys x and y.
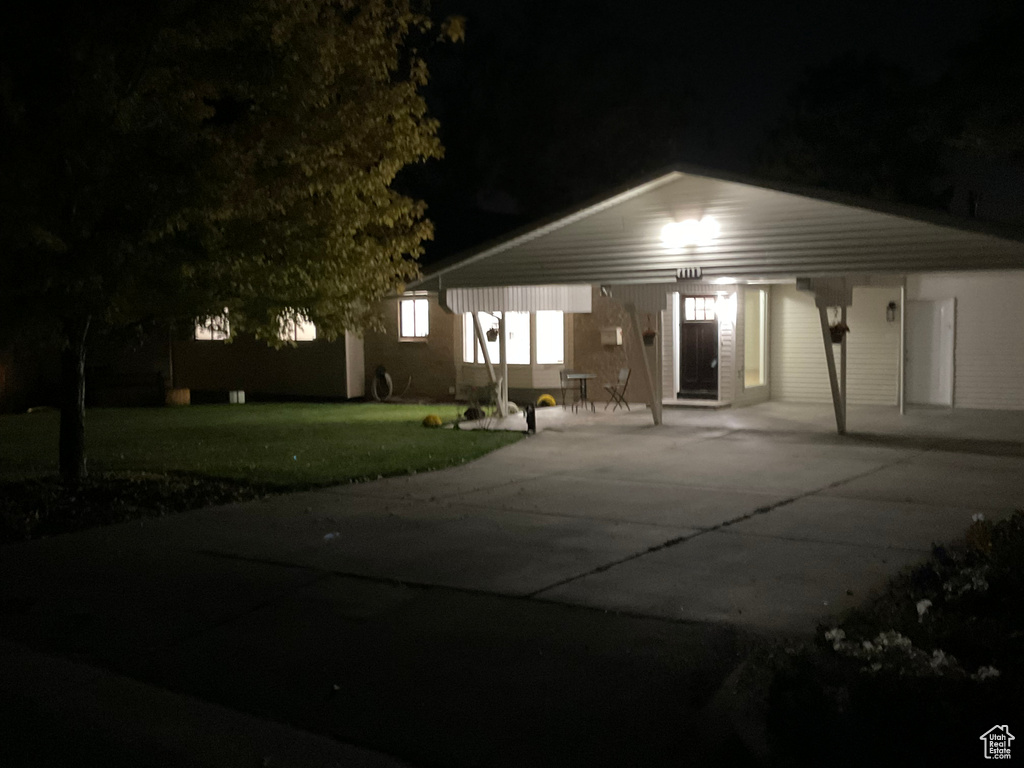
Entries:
{"x":583,"y":378}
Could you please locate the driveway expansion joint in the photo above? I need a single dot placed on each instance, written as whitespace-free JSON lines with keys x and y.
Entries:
{"x":327,"y":574}
{"x":763,"y":510}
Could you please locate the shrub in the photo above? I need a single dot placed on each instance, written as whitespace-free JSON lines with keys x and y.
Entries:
{"x":432,"y":420}
{"x":942,"y":644}
{"x":545,"y":401}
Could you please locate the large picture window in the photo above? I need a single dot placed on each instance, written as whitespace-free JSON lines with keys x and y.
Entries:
{"x":550,"y":338}
{"x":755,"y":323}
{"x":413,"y":318}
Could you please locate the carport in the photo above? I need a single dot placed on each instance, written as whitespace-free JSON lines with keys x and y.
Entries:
{"x":694,"y":232}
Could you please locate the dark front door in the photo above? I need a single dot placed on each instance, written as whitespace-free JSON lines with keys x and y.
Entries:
{"x":698,"y":351}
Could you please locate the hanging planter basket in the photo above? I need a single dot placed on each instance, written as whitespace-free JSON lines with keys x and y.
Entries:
{"x":492,"y":334}
{"x":837,"y":332}
{"x":649,"y":337}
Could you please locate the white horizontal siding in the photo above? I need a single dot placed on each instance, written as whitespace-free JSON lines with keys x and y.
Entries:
{"x":873,"y":348}
{"x":798,"y":369}
{"x":797,"y":362}
{"x":989,"y":357}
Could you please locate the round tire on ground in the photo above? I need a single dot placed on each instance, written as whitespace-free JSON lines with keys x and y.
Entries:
{"x":382,"y":387}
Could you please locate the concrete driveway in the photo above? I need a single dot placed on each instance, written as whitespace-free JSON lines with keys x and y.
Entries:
{"x":721,"y":522}
{"x":760,"y":517}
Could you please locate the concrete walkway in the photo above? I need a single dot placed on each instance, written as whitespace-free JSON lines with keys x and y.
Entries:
{"x":513,"y":611}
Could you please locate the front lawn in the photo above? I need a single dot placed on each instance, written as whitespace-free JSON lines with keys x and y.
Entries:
{"x":163,"y":456}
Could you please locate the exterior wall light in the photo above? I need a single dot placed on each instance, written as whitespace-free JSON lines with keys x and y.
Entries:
{"x":679,"y":234}
{"x":890,"y":312}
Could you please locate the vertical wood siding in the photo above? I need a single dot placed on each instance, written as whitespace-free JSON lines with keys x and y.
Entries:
{"x":989,"y":357}
{"x":518,"y":298}
{"x":797,"y":355}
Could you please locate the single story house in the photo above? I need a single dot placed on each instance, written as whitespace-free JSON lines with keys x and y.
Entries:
{"x":745,"y":285}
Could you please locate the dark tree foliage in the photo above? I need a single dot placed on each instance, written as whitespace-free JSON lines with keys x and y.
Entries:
{"x":983,"y":93}
{"x":177,"y":158}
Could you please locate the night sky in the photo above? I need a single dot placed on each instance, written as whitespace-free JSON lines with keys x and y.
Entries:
{"x":550,"y":103}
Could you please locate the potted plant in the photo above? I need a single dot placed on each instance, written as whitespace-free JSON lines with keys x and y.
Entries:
{"x":649,"y":334}
{"x":492,"y":334}
{"x":837,"y":331}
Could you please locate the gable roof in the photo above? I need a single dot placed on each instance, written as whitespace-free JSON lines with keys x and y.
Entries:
{"x":767,"y":231}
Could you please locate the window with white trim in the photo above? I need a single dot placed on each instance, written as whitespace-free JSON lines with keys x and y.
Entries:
{"x":699,"y":308}
{"x":213,"y":328}
{"x":413,"y":318}
{"x":550,"y":338}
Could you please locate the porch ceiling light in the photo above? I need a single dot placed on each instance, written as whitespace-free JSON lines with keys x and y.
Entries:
{"x":679,"y":234}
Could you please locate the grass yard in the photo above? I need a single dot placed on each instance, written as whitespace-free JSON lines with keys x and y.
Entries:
{"x":152,"y":461}
{"x":290,"y":445}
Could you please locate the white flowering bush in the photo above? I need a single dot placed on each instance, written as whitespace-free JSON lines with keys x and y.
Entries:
{"x":966,"y":580}
{"x":944,"y":642}
{"x":895,"y":653}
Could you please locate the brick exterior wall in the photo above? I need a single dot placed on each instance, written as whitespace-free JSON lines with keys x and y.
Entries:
{"x":427,"y":369}
{"x":589,"y":355}
{"x":420,"y":369}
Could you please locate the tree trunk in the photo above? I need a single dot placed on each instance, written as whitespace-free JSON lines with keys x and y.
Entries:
{"x":72,"y":403}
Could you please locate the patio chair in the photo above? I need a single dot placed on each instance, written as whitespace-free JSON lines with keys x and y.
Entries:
{"x":618,"y":390}
{"x":569,"y":385}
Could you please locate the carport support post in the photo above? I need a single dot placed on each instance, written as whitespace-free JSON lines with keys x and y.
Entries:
{"x":842,"y":365}
{"x":659,"y":393}
{"x":503,"y":356}
{"x":648,"y":375}
{"x":838,"y":399}
{"x":903,"y":348}
{"x":478,"y":331}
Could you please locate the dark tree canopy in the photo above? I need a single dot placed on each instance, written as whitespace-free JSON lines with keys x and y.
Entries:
{"x":179,"y":157}
{"x":984,"y":90}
